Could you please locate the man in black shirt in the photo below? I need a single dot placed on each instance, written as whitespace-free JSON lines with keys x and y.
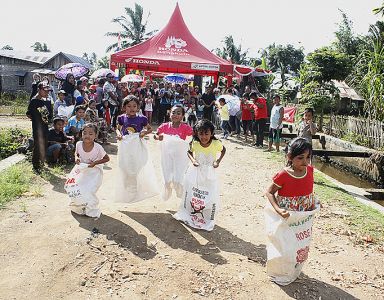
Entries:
{"x":40,"y":112}
{"x":209,"y":101}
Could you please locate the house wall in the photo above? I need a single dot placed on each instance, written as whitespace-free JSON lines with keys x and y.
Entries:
{"x":56,"y":62}
{"x":9,"y":81}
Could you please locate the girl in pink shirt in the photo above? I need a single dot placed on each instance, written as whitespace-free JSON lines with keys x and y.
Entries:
{"x":174,"y":160}
{"x":175,"y":127}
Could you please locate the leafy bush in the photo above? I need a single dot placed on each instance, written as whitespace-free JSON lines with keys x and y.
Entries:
{"x":10,"y":140}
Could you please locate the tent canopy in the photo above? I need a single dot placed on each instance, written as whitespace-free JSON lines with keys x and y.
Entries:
{"x":172,"y":50}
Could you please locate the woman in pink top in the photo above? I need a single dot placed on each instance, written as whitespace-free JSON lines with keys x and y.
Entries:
{"x":174,"y":160}
{"x":175,"y":127}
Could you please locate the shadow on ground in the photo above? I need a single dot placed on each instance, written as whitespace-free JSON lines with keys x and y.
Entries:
{"x":177,"y":236}
{"x":310,"y":288}
{"x":118,"y":231}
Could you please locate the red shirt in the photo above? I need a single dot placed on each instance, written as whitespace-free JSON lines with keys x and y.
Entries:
{"x":182,"y":131}
{"x":246,"y":114}
{"x":295,"y":193}
{"x":261,"y":113}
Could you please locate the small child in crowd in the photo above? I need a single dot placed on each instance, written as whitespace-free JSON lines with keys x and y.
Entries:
{"x":247,"y":109}
{"x":76,"y":123}
{"x":276,"y":124}
{"x":224,"y":115}
{"x":59,"y":144}
{"x":148,"y":109}
{"x":306,"y":127}
{"x":60,"y":101}
{"x":91,"y":113}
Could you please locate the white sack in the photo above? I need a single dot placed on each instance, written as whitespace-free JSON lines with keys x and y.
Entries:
{"x":174,"y":163}
{"x":81,"y":185}
{"x":288,"y":242}
{"x":65,"y":111}
{"x":136,"y":178}
{"x":200,"y":203}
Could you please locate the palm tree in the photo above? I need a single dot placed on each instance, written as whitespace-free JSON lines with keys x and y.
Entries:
{"x":133,"y":30}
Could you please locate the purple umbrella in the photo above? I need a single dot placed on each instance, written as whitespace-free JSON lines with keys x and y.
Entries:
{"x":76,"y":69}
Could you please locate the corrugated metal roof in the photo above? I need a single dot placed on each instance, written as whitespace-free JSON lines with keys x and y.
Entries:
{"x":346,"y":91}
{"x":36,"y":57}
{"x":77,"y":59}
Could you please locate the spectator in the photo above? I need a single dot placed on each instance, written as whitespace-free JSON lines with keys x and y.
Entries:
{"x":209,"y":101}
{"x":306,"y":128}
{"x":276,"y":124}
{"x":36,"y":80}
{"x":110,"y":94}
{"x":59,"y":144}
{"x":59,"y":102}
{"x":261,"y":116}
{"x":69,"y":88}
{"x":40,"y":112}
{"x":76,"y":123}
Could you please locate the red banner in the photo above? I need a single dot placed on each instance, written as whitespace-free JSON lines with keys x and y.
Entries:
{"x":289,"y":114}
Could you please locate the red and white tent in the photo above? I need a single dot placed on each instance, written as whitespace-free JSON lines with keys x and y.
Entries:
{"x":172,"y":50}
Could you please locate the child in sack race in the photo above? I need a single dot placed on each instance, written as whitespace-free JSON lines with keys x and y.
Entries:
{"x":289,"y":214}
{"x":136,"y":179}
{"x":201,"y":196}
{"x":174,"y":162}
{"x":82,"y":188}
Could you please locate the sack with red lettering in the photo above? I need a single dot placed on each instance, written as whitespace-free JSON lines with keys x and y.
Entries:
{"x":288,"y":242}
{"x":174,"y":163}
{"x":200,"y":201}
{"x":136,"y":179}
{"x":81,"y":186}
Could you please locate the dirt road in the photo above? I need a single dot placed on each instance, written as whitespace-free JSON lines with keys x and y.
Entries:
{"x":139,"y":251}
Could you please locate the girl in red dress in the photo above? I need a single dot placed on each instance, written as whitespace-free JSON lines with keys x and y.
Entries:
{"x":292,"y":187}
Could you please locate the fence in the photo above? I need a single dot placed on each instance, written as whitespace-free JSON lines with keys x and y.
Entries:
{"x":371,"y":130}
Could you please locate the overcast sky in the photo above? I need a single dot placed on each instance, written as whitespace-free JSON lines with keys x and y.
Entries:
{"x":76,"y":27}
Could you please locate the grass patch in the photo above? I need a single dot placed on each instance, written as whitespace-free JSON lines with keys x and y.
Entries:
{"x":362,"y":219}
{"x":10,"y":140}
{"x":15,"y":181}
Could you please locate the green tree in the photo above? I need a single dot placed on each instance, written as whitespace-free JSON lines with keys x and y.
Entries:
{"x":133,"y":29}
{"x":284,"y":59}
{"x":232,"y":52}
{"x":322,"y":66}
{"x":7,"y":47}
{"x":40,"y":47}
{"x":346,"y":41}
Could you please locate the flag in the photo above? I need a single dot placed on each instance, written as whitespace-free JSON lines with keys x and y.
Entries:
{"x":289,"y":114}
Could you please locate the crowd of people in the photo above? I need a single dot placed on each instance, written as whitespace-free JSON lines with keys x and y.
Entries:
{"x":93,"y":111}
